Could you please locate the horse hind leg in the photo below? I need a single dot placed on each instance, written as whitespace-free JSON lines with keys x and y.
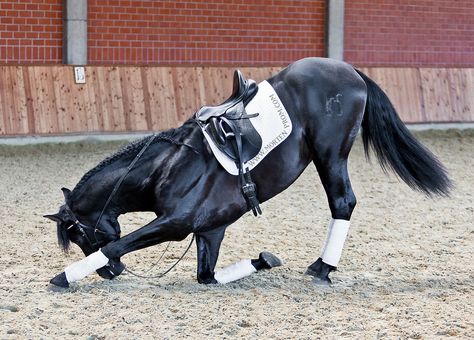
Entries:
{"x":342,"y":201}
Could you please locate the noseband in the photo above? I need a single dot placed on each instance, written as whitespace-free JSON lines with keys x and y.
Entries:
{"x":83,"y":227}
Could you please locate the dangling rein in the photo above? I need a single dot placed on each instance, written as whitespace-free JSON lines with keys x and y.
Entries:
{"x":80,"y":269}
{"x":114,"y":191}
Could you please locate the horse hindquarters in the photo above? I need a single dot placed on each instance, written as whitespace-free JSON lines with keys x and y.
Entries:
{"x":335,"y":106}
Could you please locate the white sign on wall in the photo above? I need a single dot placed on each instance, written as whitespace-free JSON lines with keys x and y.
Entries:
{"x":79,"y":75}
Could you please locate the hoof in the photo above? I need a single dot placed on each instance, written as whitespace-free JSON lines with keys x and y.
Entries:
{"x":60,"y":280}
{"x":269,"y":260}
{"x":320,"y":271}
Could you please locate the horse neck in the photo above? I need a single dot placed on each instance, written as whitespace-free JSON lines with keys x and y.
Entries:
{"x":95,"y":192}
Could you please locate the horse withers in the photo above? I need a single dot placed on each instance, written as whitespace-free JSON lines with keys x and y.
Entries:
{"x":178,"y":178}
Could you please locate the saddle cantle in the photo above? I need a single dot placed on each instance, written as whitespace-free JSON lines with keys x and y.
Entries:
{"x":243,"y":91}
{"x":229,"y":127}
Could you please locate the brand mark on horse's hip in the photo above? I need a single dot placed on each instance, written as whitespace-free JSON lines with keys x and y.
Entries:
{"x":334,"y":106}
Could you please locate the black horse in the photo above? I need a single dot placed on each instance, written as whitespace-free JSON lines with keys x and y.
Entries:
{"x":178,"y":178}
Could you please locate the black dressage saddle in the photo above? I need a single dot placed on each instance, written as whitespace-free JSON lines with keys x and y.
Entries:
{"x":229,"y":127}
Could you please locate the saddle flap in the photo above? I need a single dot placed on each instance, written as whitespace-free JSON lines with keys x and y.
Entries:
{"x":222,"y":131}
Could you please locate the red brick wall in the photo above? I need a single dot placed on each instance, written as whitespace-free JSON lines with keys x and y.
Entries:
{"x":30,"y":31}
{"x":409,"y":33}
{"x":205,"y":32}
{"x":261,"y":32}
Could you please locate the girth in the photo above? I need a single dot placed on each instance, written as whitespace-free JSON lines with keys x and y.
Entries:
{"x":229,"y":127}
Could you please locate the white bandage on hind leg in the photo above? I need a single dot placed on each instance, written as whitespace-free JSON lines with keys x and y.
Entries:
{"x":335,"y":242}
{"x":80,"y":269}
{"x":235,"y":271}
{"x":330,"y":224}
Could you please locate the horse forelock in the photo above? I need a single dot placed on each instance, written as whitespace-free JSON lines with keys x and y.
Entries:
{"x":63,"y":238}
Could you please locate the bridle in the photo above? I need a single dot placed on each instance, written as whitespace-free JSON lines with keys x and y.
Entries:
{"x":83,"y":227}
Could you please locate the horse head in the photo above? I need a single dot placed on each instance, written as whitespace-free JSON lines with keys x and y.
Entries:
{"x":83,"y":230}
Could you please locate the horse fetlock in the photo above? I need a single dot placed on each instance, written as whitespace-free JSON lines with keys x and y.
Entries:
{"x":111,"y":251}
{"x":334,"y":244}
{"x":235,"y":271}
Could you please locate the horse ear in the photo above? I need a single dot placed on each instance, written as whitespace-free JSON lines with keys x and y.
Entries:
{"x":55,"y":217}
{"x":66,"y":193}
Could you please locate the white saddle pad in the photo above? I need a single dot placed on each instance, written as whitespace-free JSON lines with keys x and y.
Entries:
{"x":272,"y":123}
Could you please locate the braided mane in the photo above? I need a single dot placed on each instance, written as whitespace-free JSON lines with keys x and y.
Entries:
{"x":130,"y":149}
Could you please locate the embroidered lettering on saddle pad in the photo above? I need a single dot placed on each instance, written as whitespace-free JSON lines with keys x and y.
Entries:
{"x":272,"y":123}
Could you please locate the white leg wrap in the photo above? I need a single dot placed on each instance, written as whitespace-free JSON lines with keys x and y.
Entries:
{"x":335,"y":242}
{"x":80,"y":269}
{"x":330,"y":224}
{"x":235,"y":271}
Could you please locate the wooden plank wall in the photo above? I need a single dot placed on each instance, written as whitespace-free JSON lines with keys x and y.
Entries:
{"x":44,"y":100}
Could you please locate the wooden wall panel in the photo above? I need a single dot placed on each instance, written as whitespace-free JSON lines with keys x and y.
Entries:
{"x":19,"y":112}
{"x":37,"y":100}
{"x":113,"y":89}
{"x":162,"y":98}
{"x":461,"y":91}
{"x":403,"y":87}
{"x":436,"y":82}
{"x":133,"y":99}
{"x":5,"y":116}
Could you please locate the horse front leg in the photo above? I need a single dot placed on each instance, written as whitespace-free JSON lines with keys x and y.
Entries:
{"x":208,"y":245}
{"x":157,"y":231}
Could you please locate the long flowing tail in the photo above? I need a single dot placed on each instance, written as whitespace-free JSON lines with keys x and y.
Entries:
{"x":396,"y":148}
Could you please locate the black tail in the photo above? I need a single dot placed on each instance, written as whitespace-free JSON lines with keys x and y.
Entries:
{"x":396,"y":148}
